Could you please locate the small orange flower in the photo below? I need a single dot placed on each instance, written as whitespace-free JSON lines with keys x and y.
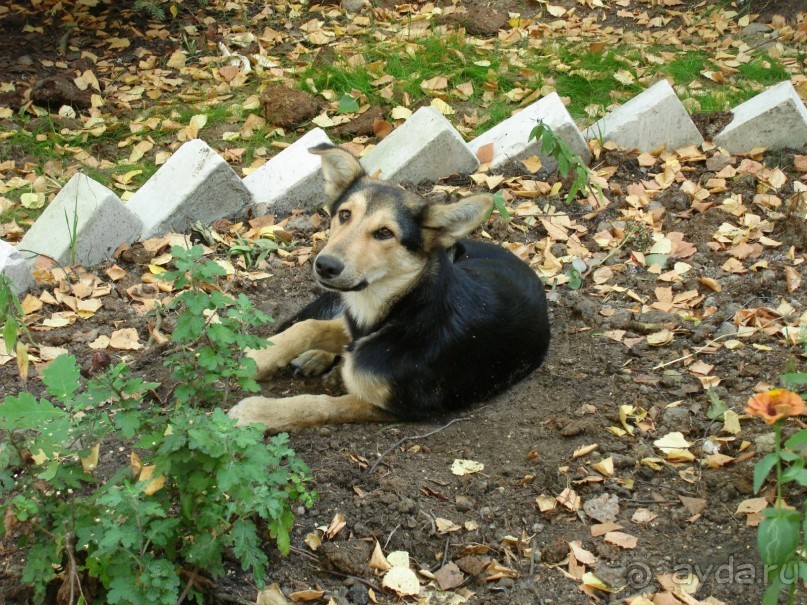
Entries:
{"x":775,"y":405}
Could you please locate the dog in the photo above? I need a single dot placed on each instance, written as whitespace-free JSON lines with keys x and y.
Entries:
{"x":425,"y":320}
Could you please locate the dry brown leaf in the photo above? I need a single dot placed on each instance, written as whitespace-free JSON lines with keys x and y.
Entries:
{"x":466,"y":467}
{"x":605,"y":467}
{"x":378,"y":560}
{"x":583,"y":450}
{"x":381,"y":128}
{"x":694,"y":506}
{"x":445,"y":526}
{"x":271,"y":595}
{"x":125,"y":339}
{"x":306,"y":595}
{"x":89,"y":462}
{"x":604,"y":508}
{"x":717,"y":460}
{"x":710,"y":283}
{"x":337,"y":524}
{"x":603,"y":528}
{"x":582,"y":555}
{"x":153,"y":484}
{"x":642,"y":516}
{"x":660,"y":338}
{"x":569,"y":499}
{"x":793,"y":278}
{"x":485,"y":153}
{"x":751,"y":505}
{"x":402,"y":580}
{"x":621,"y":539}
{"x":546,"y":503}
{"x":449,"y":576}
{"x":533,"y":164}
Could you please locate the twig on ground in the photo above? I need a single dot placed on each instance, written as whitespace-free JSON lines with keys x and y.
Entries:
{"x":230,"y":598}
{"x":651,"y":501}
{"x":709,"y":344}
{"x":346,"y":576}
{"x":392,"y":533}
{"x":375,"y":464}
{"x":188,"y":585}
{"x":303,"y":553}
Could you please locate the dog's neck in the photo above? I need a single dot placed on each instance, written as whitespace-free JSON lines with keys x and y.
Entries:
{"x":368,"y":307}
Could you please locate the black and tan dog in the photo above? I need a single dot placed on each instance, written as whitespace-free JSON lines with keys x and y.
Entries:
{"x":425,"y":320}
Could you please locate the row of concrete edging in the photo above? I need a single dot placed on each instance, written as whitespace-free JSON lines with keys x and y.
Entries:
{"x":86,"y":221}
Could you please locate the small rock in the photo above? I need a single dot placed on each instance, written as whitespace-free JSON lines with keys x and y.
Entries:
{"x":726,"y":328}
{"x":587,"y":309}
{"x":657,"y":317}
{"x":765,"y":443}
{"x":623,"y":460}
{"x":464,"y":503}
{"x":362,"y":125}
{"x":620,"y":320}
{"x":55,"y":91}
{"x":671,"y":379}
{"x":407,"y":505}
{"x":358,"y":594}
{"x":613,"y":576}
{"x":757,"y":28}
{"x":350,"y":557}
{"x":574,"y":428}
{"x":603,"y":508}
{"x":287,"y":107}
{"x":556,"y":551}
{"x":677,"y":418}
{"x":488,"y":513}
{"x":478,"y":20}
{"x":718,"y":162}
{"x":353,"y":6}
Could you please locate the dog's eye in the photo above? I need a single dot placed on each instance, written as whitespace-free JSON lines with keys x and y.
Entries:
{"x":344,"y":215}
{"x":383,"y":233}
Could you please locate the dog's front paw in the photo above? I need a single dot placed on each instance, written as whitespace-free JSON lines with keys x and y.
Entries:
{"x":252,"y":409}
{"x":314,"y":362}
{"x":268,"y":361}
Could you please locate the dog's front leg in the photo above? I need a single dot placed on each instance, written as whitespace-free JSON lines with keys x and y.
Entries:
{"x":329,"y":335}
{"x":290,"y":413}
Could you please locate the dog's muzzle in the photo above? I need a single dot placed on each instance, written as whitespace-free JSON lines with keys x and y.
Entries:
{"x":328,"y":271}
{"x":328,"y":267}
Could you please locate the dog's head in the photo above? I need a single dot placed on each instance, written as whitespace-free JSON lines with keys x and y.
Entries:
{"x":382,"y":235}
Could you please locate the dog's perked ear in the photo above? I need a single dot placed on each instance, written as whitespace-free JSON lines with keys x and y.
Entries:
{"x":444,"y":224}
{"x":339,"y":169}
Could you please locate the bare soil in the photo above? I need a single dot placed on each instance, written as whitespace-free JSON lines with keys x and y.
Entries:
{"x":525,"y":438}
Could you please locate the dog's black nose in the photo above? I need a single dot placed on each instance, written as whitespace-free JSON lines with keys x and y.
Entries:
{"x":328,"y":267}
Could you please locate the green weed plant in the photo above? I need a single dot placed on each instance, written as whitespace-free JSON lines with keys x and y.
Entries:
{"x":121,"y":501}
{"x":209,"y":360}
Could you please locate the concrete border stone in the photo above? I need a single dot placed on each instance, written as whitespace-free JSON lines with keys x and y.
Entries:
{"x":425,"y":147}
{"x":85,"y":214}
{"x":291,"y":179}
{"x":651,"y":119}
{"x":510,"y":137}
{"x":14,"y":266}
{"x":775,"y":118}
{"x":195,"y":184}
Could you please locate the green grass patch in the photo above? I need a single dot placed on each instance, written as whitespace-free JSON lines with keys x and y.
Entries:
{"x":409,"y":64}
{"x":766,"y":71}
{"x":686,"y":68}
